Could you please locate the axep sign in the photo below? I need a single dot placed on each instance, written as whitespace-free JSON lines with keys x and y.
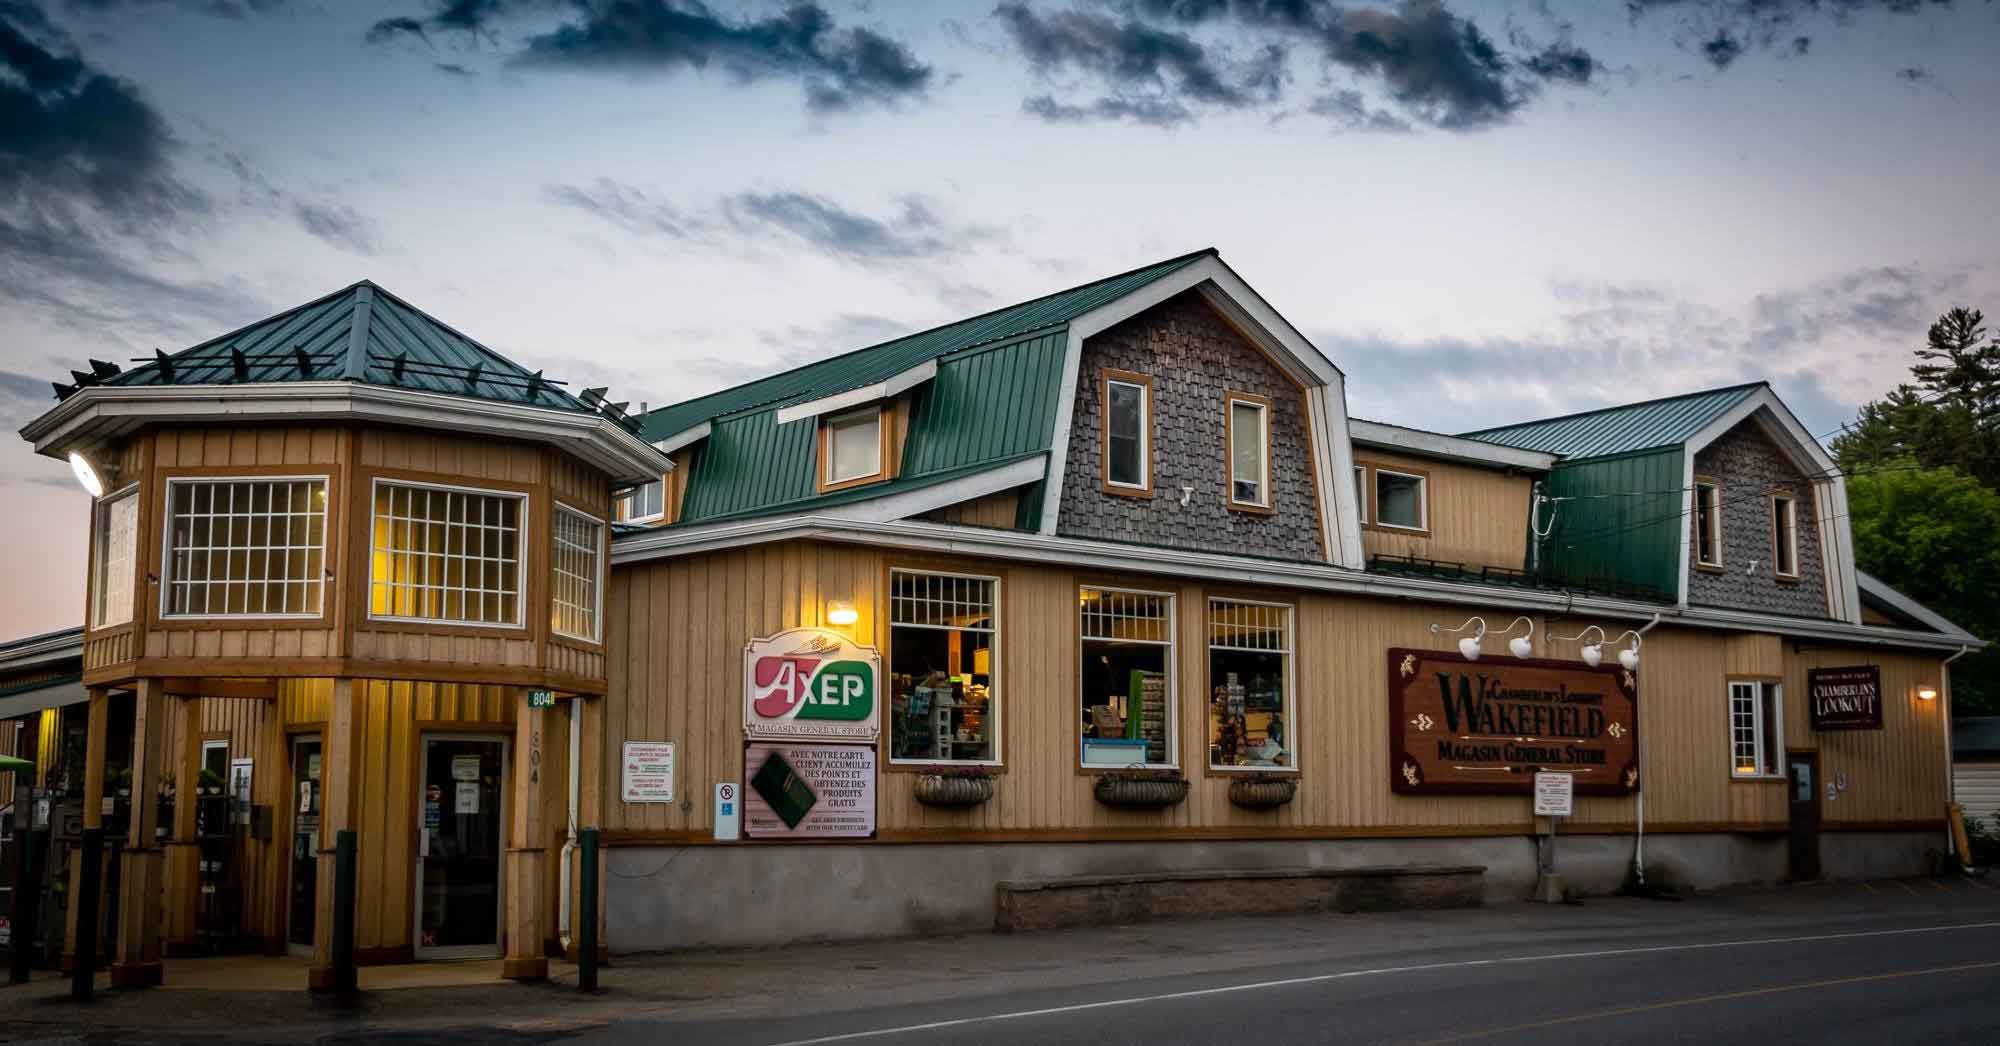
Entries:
{"x":811,"y":684}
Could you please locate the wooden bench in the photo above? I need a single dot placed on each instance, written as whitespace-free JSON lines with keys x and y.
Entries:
{"x":1103,"y":900}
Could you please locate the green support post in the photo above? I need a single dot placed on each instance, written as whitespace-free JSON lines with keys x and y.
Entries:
{"x":345,"y":980}
{"x":83,"y":963}
{"x":586,"y":930}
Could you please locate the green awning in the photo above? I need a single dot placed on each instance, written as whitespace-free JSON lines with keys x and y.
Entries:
{"x":8,"y":762}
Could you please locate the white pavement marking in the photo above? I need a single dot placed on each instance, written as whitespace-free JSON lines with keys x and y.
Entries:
{"x":1376,"y":972}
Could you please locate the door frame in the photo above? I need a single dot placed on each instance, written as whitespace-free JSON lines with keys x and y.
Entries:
{"x":1793,"y":829}
{"x":464,"y":951}
{"x":292,"y":743}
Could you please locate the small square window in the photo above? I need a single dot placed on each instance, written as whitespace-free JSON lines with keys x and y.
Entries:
{"x":1400,"y":500}
{"x":853,"y":447}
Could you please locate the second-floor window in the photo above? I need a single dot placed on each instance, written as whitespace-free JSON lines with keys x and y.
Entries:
{"x":578,"y":571}
{"x":1785,"y":535}
{"x":117,"y":541}
{"x":851,"y":448}
{"x":250,"y":547}
{"x":642,"y":504}
{"x":1401,"y":500}
{"x":1249,"y":450}
{"x":1128,"y":450}
{"x":446,"y":554}
{"x":1708,"y":524}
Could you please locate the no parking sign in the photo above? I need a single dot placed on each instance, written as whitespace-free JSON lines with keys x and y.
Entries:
{"x":728,"y":812}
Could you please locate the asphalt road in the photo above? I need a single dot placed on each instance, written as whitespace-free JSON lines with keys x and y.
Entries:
{"x":1918,"y":976}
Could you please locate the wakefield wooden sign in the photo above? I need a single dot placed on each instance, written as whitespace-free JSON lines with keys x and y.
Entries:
{"x":1845,"y":698}
{"x":1460,"y":727}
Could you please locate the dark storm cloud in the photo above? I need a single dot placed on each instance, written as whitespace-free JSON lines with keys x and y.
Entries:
{"x":1131,"y":57}
{"x":480,"y":18}
{"x":1722,"y":49}
{"x":837,"y":68}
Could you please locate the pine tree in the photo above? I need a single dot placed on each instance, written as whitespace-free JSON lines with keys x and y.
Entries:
{"x":1958,"y":365}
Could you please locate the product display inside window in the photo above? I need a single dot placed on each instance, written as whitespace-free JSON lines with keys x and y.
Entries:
{"x":941,"y":705}
{"x":1127,"y":717}
{"x":1248,"y":658}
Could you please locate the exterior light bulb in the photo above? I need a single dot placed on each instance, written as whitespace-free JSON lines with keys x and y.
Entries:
{"x":841,"y":612}
{"x":1593,"y":655}
{"x":1927,"y":693}
{"x":1520,"y":646}
{"x":86,"y":474}
{"x":1469,"y":646}
{"x":1629,"y":657}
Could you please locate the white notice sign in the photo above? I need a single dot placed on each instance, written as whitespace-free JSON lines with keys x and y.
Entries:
{"x":467,"y":799}
{"x":1554,"y":794}
{"x":728,"y":811}
{"x":809,"y":791}
{"x":465,"y":768}
{"x":648,"y":772}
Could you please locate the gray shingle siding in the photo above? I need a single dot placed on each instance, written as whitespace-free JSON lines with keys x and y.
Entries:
{"x":1194,"y":359}
{"x":1749,"y":467}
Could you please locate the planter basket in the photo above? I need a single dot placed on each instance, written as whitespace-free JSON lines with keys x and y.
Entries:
{"x":1112,"y":790}
{"x":939,"y":790}
{"x":1253,"y":794}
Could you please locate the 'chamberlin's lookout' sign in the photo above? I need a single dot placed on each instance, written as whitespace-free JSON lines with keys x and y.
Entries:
{"x":1485,"y":727}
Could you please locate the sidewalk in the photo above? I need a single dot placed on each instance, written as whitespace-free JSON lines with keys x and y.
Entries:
{"x":253,"y":1000}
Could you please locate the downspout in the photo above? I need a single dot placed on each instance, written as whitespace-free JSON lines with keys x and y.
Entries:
{"x":1950,"y":784}
{"x":569,"y":840}
{"x":1645,"y":776}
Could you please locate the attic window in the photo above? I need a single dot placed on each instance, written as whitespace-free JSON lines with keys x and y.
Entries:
{"x":1785,"y":536}
{"x":1708,"y":523}
{"x":850,"y":448}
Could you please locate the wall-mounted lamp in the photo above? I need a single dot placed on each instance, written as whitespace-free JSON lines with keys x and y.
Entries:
{"x":1629,"y":657}
{"x":1592,"y":653}
{"x":1522,"y":645}
{"x":1469,"y":645}
{"x":86,"y":474}
{"x":1926,"y":692}
{"x":841,"y":612}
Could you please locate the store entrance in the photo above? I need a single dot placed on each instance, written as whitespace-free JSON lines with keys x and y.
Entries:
{"x":462,"y":818}
{"x":1802,"y":768}
{"x":304,"y":797}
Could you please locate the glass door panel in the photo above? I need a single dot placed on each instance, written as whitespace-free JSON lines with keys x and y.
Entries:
{"x":461,"y":838}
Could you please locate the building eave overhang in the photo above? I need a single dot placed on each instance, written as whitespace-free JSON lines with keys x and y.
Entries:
{"x":1874,"y":587}
{"x":96,"y":415}
{"x":1447,"y":448}
{"x":685,"y":437}
{"x":893,"y":385}
{"x":1024,"y":546}
{"x":66,"y":645}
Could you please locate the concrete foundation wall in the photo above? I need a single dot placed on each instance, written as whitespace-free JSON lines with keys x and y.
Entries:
{"x":670,"y":898}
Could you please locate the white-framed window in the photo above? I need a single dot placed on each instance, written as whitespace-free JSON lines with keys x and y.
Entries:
{"x":1126,"y":678}
{"x":1402,"y":500}
{"x":214,"y":760}
{"x":576,"y":590}
{"x":853,"y":447}
{"x":245,"y":547}
{"x":1250,"y":720}
{"x":944,"y":671}
{"x":114,"y":570}
{"x":1128,"y":422}
{"x":446,"y":554}
{"x":642,"y":504}
{"x":1708,"y":523}
{"x":1249,"y":451}
{"x":1785,"y":535}
{"x":1756,"y":741}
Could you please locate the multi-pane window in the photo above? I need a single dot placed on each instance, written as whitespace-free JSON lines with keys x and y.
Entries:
{"x":642,"y":504}
{"x":1249,"y":451}
{"x":1127,"y":437}
{"x":446,"y":554}
{"x":117,"y":540}
{"x":1708,"y":524}
{"x":1249,"y":679}
{"x":942,"y":676}
{"x":1754,"y":744}
{"x":252,"y":547}
{"x":853,"y":449}
{"x":1400,"y":500}
{"x":1785,"y":535}
{"x":577,"y":574}
{"x":1126,"y":678}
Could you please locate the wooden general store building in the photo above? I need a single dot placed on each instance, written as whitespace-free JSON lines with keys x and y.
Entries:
{"x":1105,"y":583}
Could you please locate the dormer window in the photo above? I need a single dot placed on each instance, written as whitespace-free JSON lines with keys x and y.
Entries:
{"x":1128,"y":442}
{"x":1249,"y":451}
{"x":852,"y":449}
{"x":644,"y":503}
{"x":1708,"y":523}
{"x":1785,"y":536}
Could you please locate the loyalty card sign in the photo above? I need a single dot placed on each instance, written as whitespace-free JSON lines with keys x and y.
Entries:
{"x":811,"y":684}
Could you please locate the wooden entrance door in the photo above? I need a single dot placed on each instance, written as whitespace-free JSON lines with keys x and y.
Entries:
{"x":1802,"y":773}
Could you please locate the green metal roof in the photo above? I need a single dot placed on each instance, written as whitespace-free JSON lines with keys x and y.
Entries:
{"x":360,"y":333}
{"x":879,"y":362}
{"x":1623,"y":429}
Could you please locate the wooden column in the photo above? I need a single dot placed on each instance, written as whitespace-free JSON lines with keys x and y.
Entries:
{"x":339,"y":783}
{"x":93,"y":809}
{"x":136,"y":962}
{"x":527,"y":849}
{"x":183,"y":852}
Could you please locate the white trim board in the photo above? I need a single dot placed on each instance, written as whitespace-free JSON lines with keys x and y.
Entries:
{"x":940,"y":495}
{"x":1446,"y":448}
{"x":881,"y":390}
{"x":691,"y":434}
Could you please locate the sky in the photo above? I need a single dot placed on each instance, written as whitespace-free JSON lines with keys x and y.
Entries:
{"x":1481,"y":212}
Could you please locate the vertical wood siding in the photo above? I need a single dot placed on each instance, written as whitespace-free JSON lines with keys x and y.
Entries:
{"x":1477,"y":516}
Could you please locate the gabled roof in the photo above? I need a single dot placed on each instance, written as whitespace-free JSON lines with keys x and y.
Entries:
{"x":877,"y":363}
{"x":1624,"y":429}
{"x":359,"y":333}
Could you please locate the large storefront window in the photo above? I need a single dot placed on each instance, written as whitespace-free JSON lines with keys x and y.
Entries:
{"x":117,"y":551}
{"x":246,"y":547}
{"x":943,"y":703}
{"x":1126,"y":679}
{"x":445,"y":554}
{"x":1250,"y":721}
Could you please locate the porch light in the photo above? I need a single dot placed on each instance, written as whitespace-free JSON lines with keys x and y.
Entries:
{"x":1629,"y":657}
{"x":1926,"y":692}
{"x":1522,"y":645}
{"x":1592,"y":653}
{"x":86,"y":474}
{"x":1468,"y":646}
{"x":841,"y":612}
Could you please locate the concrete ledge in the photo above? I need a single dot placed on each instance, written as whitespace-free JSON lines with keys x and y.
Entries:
{"x":1099,"y":900}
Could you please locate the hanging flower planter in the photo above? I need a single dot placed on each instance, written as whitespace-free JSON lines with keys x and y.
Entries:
{"x":1262,"y":792}
{"x":1140,"y":790}
{"x":953,"y":789}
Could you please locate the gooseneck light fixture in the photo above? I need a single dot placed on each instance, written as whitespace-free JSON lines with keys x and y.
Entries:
{"x":1592,"y":653}
{"x":1468,"y":646}
{"x":86,"y":474}
{"x":1522,"y":646}
{"x":1629,"y":657}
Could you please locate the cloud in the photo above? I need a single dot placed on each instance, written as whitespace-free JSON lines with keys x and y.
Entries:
{"x":454,"y":69}
{"x":1722,"y":31}
{"x":1141,"y":64}
{"x":337,"y":224}
{"x":1722,"y":49}
{"x":390,"y":28}
{"x":1156,"y":112}
{"x":912,"y":231}
{"x":1562,"y":61}
{"x":1350,"y":111}
{"x":1915,"y":74}
{"x":838,"y":69}
{"x":231,"y":9}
